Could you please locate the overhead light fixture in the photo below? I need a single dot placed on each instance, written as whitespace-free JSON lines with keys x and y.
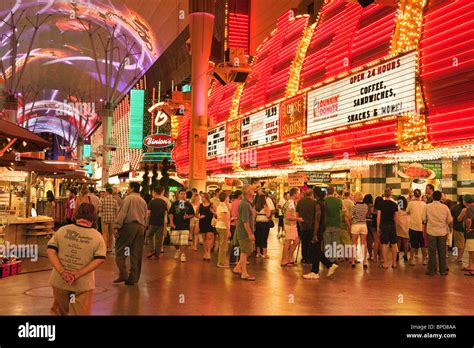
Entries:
{"x":365,"y":3}
{"x":24,"y":143}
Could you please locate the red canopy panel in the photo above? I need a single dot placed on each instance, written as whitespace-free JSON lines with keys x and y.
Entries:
{"x":355,"y":141}
{"x":180,"y":154}
{"x":347,"y":36}
{"x":447,"y":70}
{"x":270,"y":72}
{"x":220,"y":102}
{"x":267,"y":157}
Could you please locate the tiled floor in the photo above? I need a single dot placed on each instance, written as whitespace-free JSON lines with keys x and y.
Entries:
{"x":169,"y":287}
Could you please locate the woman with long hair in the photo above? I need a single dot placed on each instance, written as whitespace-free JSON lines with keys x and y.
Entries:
{"x":262,"y":228}
{"x":194,"y":223}
{"x":369,"y":201}
{"x":206,"y":213}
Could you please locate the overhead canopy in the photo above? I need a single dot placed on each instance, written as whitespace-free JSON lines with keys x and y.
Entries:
{"x":62,"y":61}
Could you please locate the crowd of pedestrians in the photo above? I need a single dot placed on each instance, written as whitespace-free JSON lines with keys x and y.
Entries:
{"x":329,"y":228}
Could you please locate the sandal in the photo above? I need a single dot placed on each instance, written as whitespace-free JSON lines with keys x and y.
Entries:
{"x":235,"y":272}
{"x":469,"y":273}
{"x":249,"y":278}
{"x":384,"y":267}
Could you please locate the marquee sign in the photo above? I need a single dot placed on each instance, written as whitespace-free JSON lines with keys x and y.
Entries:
{"x":292,"y":117}
{"x":216,"y":141}
{"x":382,"y":90}
{"x":260,"y":128}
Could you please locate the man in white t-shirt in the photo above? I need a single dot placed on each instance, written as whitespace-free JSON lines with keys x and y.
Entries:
{"x":415,"y":210}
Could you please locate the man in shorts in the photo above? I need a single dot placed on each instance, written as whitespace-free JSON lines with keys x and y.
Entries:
{"x":244,"y":236}
{"x":386,"y":217}
{"x":181,"y":212}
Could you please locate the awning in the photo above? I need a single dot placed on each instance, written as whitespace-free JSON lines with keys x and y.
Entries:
{"x":20,"y":139}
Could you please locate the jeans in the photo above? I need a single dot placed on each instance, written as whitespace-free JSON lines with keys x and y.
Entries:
{"x":306,"y":250}
{"x":223,"y":246}
{"x":318,"y":256}
{"x":130,"y":243}
{"x":332,"y":237}
{"x":155,"y":232}
{"x":437,"y":247}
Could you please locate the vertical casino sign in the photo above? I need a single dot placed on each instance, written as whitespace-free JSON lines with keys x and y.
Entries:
{"x":293,"y":117}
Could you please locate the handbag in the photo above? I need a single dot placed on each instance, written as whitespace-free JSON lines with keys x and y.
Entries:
{"x":271,"y":224}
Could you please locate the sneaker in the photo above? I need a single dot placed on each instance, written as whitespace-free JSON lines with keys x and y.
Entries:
{"x":223,"y":266}
{"x":311,"y":275}
{"x":177,"y":254}
{"x":332,"y":269}
{"x":183,"y":258}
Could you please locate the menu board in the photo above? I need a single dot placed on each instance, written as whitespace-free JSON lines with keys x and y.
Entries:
{"x":260,"y":128}
{"x":216,"y":141}
{"x":292,"y":117}
{"x":382,"y":90}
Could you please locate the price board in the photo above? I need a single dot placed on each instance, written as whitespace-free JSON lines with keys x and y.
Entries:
{"x":216,"y":141}
{"x":260,"y":128}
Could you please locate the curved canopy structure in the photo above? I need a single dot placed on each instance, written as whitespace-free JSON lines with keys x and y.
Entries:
{"x":77,"y":45}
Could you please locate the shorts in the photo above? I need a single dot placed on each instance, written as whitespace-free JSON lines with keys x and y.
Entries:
{"x":179,"y":237}
{"x":388,"y":234}
{"x":246,"y":245}
{"x":416,"y":239}
{"x":359,"y":229}
{"x":470,"y":245}
{"x":291,"y":232}
{"x":459,"y":240}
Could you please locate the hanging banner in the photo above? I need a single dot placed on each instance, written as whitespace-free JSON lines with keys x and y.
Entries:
{"x":385,"y":89}
{"x":292,"y":117}
{"x":216,"y":141}
{"x":260,"y":128}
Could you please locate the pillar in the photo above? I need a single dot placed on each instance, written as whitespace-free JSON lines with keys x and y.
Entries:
{"x":201,"y":26}
{"x":449,"y":181}
{"x":80,"y":150}
{"x":11,"y":109}
{"x":107,"y":118}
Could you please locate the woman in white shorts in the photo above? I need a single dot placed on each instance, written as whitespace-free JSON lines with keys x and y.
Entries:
{"x":358,"y":220}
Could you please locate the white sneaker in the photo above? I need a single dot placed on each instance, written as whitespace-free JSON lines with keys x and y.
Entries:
{"x":183,"y":258}
{"x":177,"y":254}
{"x":311,"y":275}
{"x":332,"y":269}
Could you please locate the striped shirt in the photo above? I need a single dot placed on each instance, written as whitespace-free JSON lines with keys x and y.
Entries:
{"x":359,"y":213}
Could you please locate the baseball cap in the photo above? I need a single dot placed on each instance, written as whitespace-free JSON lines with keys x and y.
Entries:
{"x":468,"y":198}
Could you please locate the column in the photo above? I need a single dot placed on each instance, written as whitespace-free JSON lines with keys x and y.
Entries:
{"x":449,"y":181}
{"x":201,"y":26}
{"x":107,"y":117}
